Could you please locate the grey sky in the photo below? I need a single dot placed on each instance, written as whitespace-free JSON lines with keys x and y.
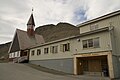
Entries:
{"x":15,"y":13}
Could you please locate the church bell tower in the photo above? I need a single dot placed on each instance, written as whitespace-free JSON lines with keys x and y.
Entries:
{"x":30,"y":26}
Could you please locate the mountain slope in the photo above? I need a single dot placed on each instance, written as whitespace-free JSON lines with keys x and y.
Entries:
{"x":4,"y":49}
{"x":54,"y":32}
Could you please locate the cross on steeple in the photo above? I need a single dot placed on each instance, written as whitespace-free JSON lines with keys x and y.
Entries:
{"x":32,"y":9}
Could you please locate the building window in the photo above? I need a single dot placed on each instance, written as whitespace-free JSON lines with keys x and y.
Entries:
{"x":18,"y":54}
{"x":54,"y":49}
{"x":32,"y":53}
{"x":14,"y":54}
{"x":91,"y":43}
{"x":65,"y":47}
{"x":46,"y":50}
{"x":93,"y":27}
{"x":84,"y":43}
{"x":38,"y":51}
{"x":96,"y":43}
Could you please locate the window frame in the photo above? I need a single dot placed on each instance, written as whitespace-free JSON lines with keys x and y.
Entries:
{"x":90,"y":43}
{"x":65,"y":47}
{"x":46,"y":50}
{"x":98,"y":42}
{"x":54,"y":49}
{"x":86,"y":44}
{"x":38,"y":51}
{"x":18,"y":54}
{"x":32,"y":52}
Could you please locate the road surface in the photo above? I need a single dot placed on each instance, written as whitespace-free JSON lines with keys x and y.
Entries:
{"x":13,"y":71}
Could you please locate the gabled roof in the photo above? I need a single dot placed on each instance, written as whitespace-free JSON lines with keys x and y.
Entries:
{"x":24,"y":40}
{"x":31,"y":20}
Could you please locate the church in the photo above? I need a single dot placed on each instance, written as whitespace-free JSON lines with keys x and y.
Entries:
{"x":90,"y":48}
{"x":22,"y":41}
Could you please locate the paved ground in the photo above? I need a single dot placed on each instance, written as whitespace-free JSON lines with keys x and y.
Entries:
{"x":10,"y":71}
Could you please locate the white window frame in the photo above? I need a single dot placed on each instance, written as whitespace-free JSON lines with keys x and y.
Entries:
{"x":32,"y":52}
{"x":65,"y":47}
{"x":46,"y":50}
{"x":93,"y":41}
{"x":38,"y":51}
{"x":54,"y":49}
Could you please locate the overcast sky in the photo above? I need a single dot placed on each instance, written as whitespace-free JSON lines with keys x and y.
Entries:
{"x":15,"y":13}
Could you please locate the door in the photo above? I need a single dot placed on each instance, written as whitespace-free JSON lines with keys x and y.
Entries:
{"x":95,"y":66}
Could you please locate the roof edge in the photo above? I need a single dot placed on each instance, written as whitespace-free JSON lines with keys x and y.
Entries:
{"x":99,"y":18}
{"x":80,"y":35}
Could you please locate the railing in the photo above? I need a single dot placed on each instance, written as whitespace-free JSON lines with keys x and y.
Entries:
{"x":15,"y":60}
{"x":20,"y":59}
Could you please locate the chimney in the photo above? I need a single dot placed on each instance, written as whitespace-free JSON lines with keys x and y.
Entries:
{"x":30,"y":26}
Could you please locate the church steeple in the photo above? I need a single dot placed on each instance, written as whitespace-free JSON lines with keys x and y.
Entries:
{"x":30,"y":26}
{"x":31,"y":20}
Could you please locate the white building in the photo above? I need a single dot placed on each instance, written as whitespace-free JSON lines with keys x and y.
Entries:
{"x":95,"y":51}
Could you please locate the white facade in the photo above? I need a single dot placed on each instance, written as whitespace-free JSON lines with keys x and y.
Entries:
{"x":76,"y":47}
{"x":109,"y":41}
{"x":14,"y":54}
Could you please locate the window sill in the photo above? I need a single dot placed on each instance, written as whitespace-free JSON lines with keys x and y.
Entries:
{"x":90,"y":48}
{"x":65,"y":51}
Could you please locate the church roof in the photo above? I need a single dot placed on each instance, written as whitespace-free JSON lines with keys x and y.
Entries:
{"x":31,"y":20}
{"x":24,"y":41}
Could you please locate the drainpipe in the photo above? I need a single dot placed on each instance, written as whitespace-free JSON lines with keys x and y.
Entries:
{"x":113,"y":52}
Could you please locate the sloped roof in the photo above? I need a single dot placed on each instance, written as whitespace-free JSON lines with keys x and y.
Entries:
{"x":31,"y":20}
{"x":25,"y":41}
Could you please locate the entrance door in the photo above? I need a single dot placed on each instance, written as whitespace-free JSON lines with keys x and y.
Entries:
{"x":24,"y":53}
{"x":94,"y":66}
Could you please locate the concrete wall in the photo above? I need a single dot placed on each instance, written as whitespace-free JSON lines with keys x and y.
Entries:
{"x":116,"y":66}
{"x":64,"y":65}
{"x":108,"y":41}
{"x":112,"y":21}
{"x":59,"y":55}
{"x":63,"y":61}
{"x":75,"y":47}
{"x":102,"y":23}
{"x":115,"y":38}
{"x":104,"y":39}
